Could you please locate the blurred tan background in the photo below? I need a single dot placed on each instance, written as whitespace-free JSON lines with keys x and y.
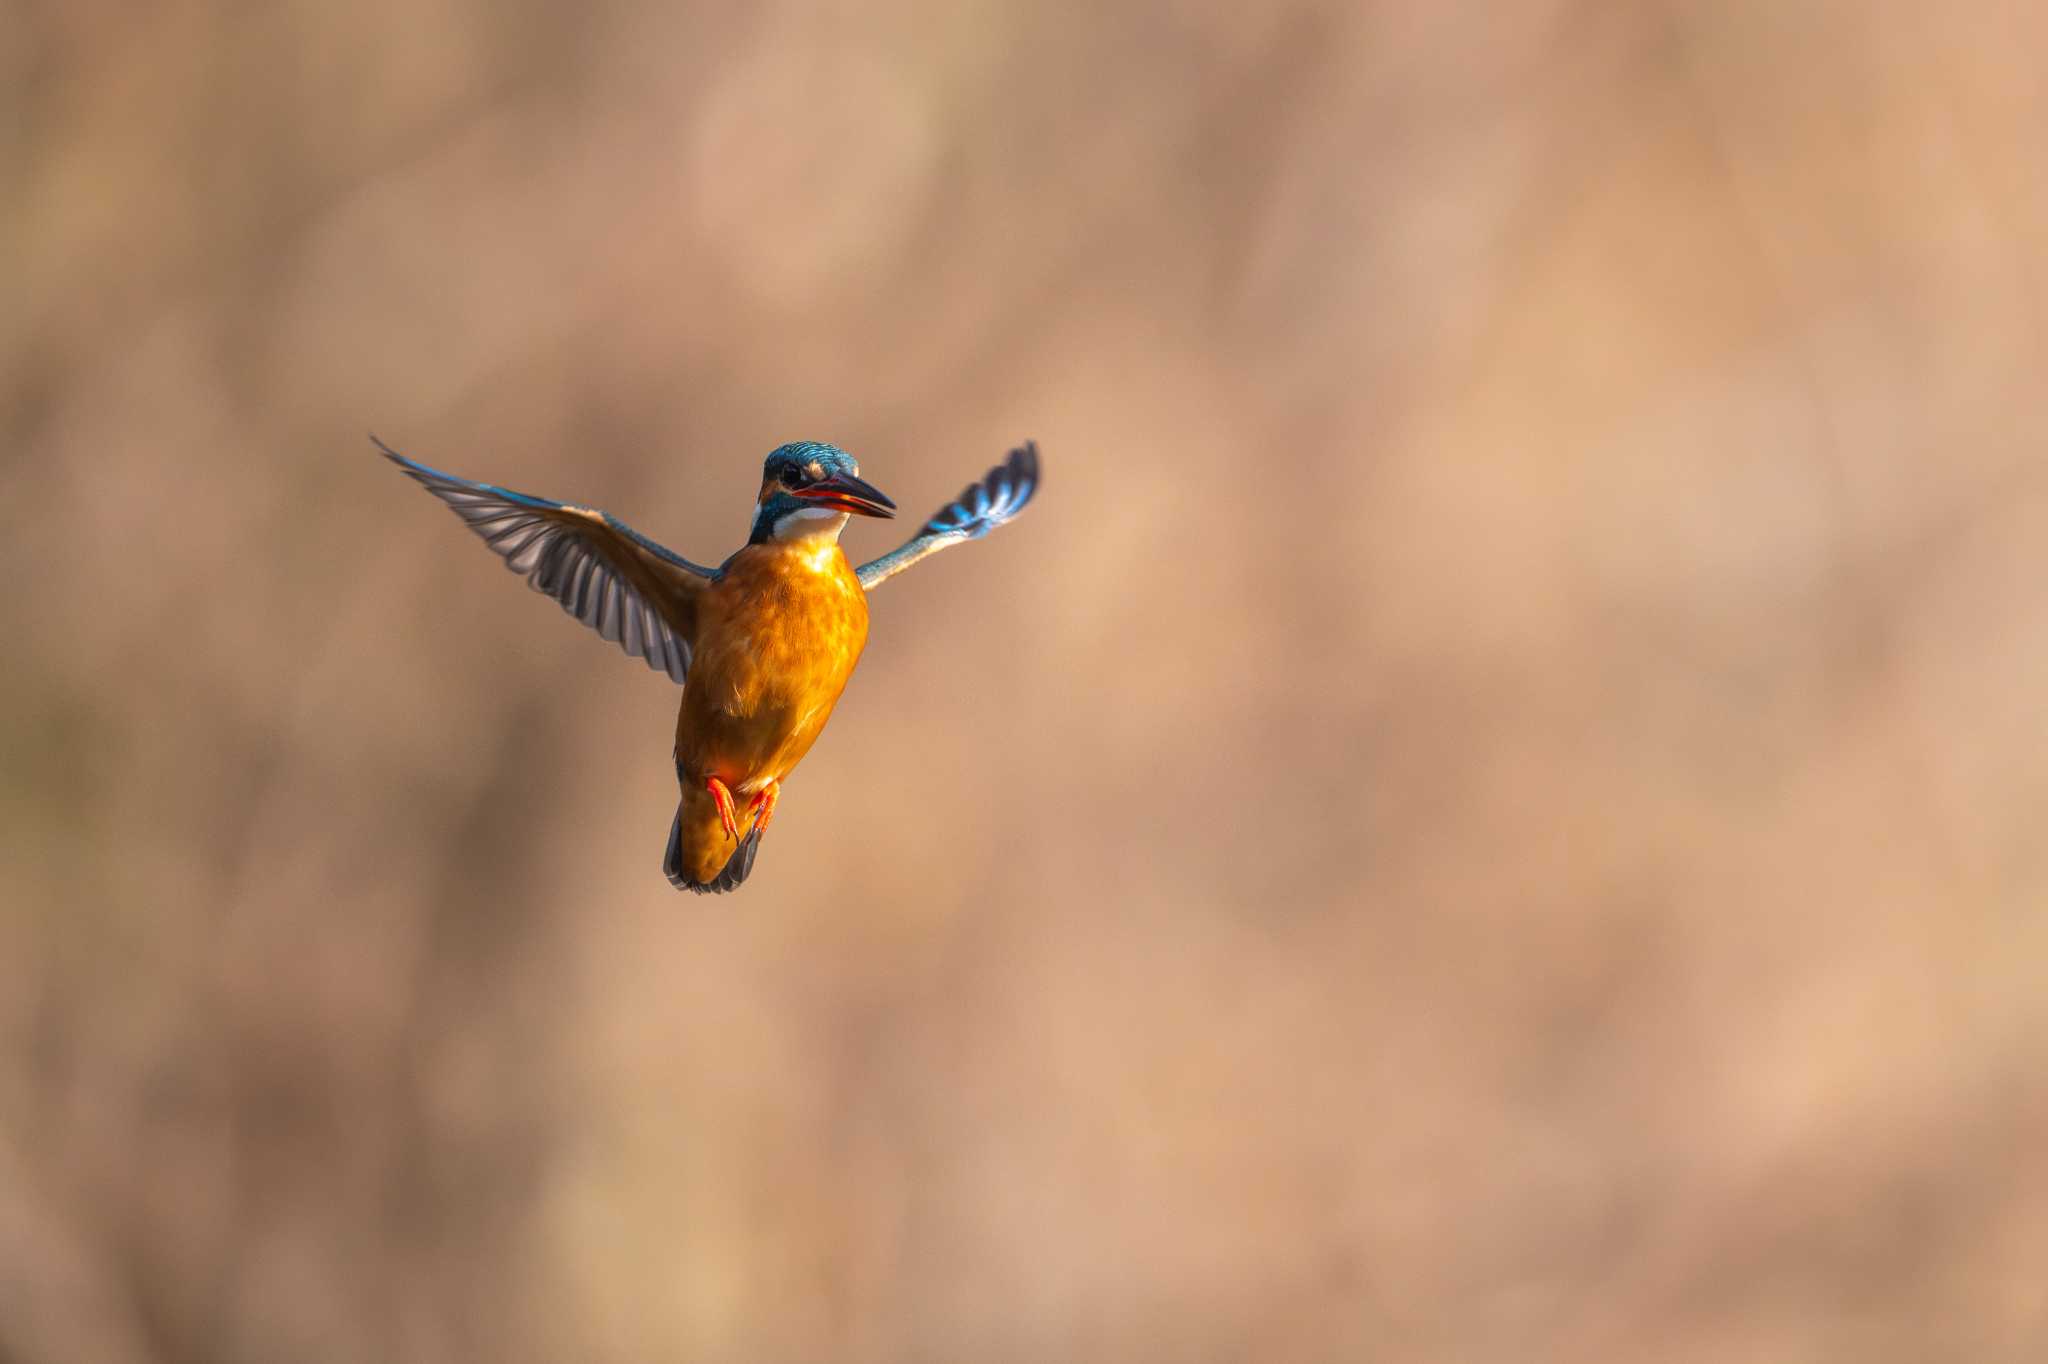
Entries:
{"x":1489,"y":813}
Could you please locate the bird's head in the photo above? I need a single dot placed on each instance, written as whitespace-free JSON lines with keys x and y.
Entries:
{"x":808,"y":489}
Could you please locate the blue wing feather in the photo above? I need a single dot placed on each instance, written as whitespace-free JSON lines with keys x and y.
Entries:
{"x":980,"y":508}
{"x":631,"y":590}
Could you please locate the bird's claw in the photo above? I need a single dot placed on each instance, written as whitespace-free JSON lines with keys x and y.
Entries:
{"x":763,"y":806}
{"x":725,"y":814}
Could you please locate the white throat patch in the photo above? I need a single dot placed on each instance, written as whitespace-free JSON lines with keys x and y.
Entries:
{"x":810,"y":523}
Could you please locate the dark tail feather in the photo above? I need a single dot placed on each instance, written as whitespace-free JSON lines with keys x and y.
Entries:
{"x":736,"y":867}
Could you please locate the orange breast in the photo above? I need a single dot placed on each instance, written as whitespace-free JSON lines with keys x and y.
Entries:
{"x":777,"y":638}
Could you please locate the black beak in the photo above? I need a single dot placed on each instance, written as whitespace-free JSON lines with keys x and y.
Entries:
{"x":848,"y":493}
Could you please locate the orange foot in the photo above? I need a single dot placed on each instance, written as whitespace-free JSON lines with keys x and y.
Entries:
{"x":724,"y":799}
{"x":763,"y":807}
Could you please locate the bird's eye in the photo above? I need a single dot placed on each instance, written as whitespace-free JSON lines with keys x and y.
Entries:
{"x":795,"y":476}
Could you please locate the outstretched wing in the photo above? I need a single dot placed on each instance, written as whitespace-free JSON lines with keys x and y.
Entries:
{"x":977,"y":511}
{"x":602,"y":571}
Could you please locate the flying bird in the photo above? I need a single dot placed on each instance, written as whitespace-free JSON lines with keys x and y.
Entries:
{"x":762,"y":645}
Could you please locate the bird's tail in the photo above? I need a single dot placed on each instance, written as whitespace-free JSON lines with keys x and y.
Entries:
{"x":700,"y":858}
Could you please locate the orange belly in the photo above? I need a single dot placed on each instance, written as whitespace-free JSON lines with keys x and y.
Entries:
{"x":778,"y":636}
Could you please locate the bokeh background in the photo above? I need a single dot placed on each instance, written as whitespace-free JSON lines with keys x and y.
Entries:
{"x":1491,"y":812}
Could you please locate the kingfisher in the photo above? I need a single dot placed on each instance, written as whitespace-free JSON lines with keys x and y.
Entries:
{"x":762,"y":645}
